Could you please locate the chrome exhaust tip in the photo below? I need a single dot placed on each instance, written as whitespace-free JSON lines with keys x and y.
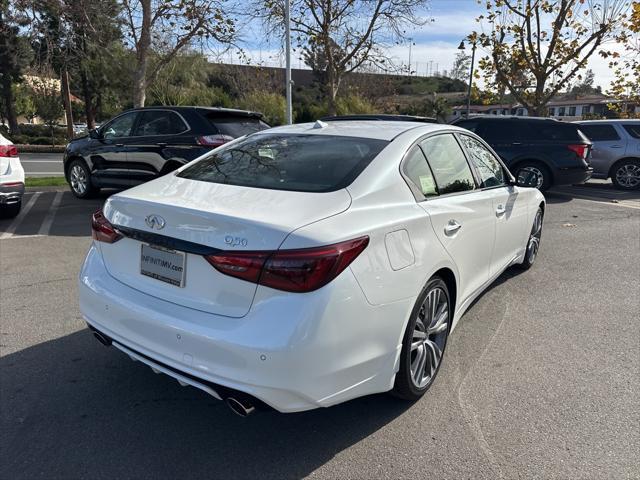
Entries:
{"x":102,"y":339}
{"x":242,"y":408}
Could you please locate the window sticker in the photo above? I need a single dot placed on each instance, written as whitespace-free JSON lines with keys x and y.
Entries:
{"x":427,"y":185}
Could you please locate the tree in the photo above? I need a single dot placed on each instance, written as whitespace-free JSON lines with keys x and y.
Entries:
{"x":585,"y":85}
{"x":46,"y":97}
{"x":461,"y":66}
{"x":549,"y":41}
{"x":14,"y":57}
{"x":340,"y":36}
{"x":626,"y":65}
{"x":162,"y":28}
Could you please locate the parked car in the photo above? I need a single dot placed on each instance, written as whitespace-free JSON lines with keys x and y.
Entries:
{"x":11,"y":179}
{"x":79,"y":128}
{"x":142,"y":144}
{"x":557,"y":152}
{"x":616,"y":150}
{"x":309,"y":264}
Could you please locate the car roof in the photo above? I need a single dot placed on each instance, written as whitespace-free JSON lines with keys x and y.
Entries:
{"x":379,"y":116}
{"x":218,"y":110}
{"x":608,"y":120}
{"x":375,"y":129}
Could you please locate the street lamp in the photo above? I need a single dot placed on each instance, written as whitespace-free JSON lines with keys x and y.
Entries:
{"x":473,"y":57}
{"x":287,"y":33}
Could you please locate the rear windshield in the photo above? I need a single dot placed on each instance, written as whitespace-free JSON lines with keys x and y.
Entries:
{"x":236,"y":126}
{"x":306,"y":163}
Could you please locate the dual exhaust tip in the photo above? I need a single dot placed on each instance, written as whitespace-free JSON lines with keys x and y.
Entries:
{"x":242,"y":407}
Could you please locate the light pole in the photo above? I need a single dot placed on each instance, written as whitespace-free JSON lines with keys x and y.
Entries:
{"x":287,"y":28}
{"x":473,"y":57}
{"x":410,"y":44}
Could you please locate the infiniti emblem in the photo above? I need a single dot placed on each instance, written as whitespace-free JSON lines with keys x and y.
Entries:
{"x":155,"y":221}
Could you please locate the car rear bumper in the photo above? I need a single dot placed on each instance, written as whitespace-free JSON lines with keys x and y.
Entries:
{"x":293,"y":352}
{"x":572,"y":176}
{"x":11,"y":193}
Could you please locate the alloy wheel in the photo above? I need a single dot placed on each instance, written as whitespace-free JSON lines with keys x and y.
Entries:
{"x":628,"y":175}
{"x":534,"y":238}
{"x":429,"y":337}
{"x":78,"y":179}
{"x":534,"y":170}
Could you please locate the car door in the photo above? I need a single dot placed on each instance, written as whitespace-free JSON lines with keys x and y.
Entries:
{"x":157,"y":146}
{"x":460,"y":213}
{"x":509,"y":204}
{"x":108,"y":153}
{"x":608,"y":146}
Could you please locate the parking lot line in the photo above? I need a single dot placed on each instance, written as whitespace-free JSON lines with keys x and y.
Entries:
{"x":16,"y":222}
{"x":46,"y":223}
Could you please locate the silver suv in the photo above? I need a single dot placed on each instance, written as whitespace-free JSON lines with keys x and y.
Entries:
{"x":616,"y":150}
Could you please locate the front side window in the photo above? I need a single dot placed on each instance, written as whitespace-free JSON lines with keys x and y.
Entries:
{"x":598,"y":132}
{"x":448,"y":164}
{"x":159,"y":122}
{"x":415,"y":167}
{"x":121,"y":126}
{"x":306,"y":163}
{"x":488,"y":167}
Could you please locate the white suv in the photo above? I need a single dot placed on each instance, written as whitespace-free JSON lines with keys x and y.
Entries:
{"x":307,"y":265}
{"x":11,"y":179}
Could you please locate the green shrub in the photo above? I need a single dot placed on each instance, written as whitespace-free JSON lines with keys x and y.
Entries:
{"x":353,"y":104}
{"x":40,"y":130}
{"x":271,"y":105}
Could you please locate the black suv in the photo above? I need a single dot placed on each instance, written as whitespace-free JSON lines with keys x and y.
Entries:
{"x":142,"y":144}
{"x":557,"y":152}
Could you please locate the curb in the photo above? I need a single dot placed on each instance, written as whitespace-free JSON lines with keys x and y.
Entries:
{"x":40,"y":148}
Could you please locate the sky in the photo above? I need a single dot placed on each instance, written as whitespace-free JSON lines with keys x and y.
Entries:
{"x":434,"y":45}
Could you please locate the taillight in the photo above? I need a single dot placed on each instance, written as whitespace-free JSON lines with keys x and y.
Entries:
{"x":213,"y":140}
{"x":581,"y":150}
{"x":8,"y":151}
{"x":302,"y":270}
{"x":102,"y":230}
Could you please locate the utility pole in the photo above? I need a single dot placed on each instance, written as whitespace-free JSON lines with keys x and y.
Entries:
{"x":287,"y":13}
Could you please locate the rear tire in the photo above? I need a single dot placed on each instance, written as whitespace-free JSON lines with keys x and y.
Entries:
{"x":424,"y":341}
{"x":11,"y":211}
{"x":625,"y":174}
{"x":79,"y":178}
{"x":539,"y":169}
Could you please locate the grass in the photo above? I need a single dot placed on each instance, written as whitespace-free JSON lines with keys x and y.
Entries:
{"x":45,"y":182}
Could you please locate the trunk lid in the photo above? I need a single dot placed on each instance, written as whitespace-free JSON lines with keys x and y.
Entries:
{"x":207,"y":215}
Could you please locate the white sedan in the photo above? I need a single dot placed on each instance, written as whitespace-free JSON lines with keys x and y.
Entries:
{"x":307,"y":265}
{"x":11,"y":179}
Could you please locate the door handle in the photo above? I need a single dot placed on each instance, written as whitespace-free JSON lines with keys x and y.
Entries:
{"x":452,"y":228}
{"x":516,"y":143}
{"x":500,"y":210}
{"x":615,"y":146}
{"x":161,"y":144}
{"x":119,"y":144}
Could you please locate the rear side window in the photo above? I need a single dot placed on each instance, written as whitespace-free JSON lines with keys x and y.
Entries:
{"x":488,"y":167}
{"x":159,"y":122}
{"x":236,"y":126}
{"x":306,"y":163}
{"x":415,"y":167}
{"x":448,"y":164}
{"x":599,"y":132}
{"x":503,"y":131}
{"x":632,"y":129}
{"x":551,"y":131}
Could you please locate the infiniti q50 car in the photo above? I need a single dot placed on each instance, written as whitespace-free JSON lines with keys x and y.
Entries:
{"x":306,"y":265}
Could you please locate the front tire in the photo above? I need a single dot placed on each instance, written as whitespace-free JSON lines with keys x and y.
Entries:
{"x":533,"y":243}
{"x":625,"y":174}
{"x":424,"y":341}
{"x":79,"y":178}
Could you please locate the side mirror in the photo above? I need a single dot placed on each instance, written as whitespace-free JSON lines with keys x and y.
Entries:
{"x":528,"y":178}
{"x":95,"y":134}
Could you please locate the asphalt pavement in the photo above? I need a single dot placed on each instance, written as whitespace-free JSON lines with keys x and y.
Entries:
{"x":540,"y":380}
{"x":42,"y":164}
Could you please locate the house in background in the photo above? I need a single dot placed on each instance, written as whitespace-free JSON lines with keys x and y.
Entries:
{"x":567,"y":108}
